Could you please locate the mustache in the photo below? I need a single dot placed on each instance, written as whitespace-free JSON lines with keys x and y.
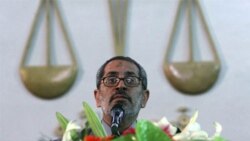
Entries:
{"x":121,"y":93}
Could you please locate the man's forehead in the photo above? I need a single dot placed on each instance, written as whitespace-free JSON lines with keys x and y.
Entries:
{"x":126,"y":73}
{"x":116,"y":67}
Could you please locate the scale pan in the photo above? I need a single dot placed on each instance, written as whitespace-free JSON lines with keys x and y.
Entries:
{"x":48,"y":81}
{"x":192,"y":77}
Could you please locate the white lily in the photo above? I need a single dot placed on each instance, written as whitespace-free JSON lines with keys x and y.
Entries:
{"x":183,"y":136}
{"x":199,"y":135}
{"x":218,"y":129}
{"x":70,"y":127}
{"x":192,"y":131}
{"x":163,"y":122}
{"x":192,"y":124}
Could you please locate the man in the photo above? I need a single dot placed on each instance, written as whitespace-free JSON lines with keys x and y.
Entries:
{"x":121,"y":81}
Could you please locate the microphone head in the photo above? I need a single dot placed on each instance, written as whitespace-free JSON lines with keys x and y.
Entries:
{"x":117,"y":109}
{"x":117,"y":113}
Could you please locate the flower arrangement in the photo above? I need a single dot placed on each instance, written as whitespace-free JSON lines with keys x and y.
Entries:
{"x":144,"y":130}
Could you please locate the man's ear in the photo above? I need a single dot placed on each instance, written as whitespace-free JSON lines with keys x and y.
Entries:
{"x":145,"y":98}
{"x":97,"y":98}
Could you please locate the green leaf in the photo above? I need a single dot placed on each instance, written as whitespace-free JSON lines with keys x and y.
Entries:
{"x":62,"y":120}
{"x":147,"y":131}
{"x":129,"y":137}
{"x":94,"y":121}
{"x":219,"y":139}
{"x":74,"y":135}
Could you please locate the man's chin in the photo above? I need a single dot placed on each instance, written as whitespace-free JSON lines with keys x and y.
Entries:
{"x":120,"y":101}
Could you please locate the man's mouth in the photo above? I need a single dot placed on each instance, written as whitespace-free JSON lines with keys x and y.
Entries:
{"x":120,"y":97}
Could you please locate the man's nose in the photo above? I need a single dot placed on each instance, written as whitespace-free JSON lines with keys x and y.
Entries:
{"x":121,"y":84}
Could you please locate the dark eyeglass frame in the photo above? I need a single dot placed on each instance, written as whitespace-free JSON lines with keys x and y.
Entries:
{"x":118,"y":79}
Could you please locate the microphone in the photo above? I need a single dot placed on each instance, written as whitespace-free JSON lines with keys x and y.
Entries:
{"x":117,"y":114}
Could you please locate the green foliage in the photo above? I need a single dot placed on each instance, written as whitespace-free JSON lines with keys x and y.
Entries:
{"x":74,"y":135}
{"x":129,"y":137}
{"x":86,"y":131}
{"x":219,"y":138}
{"x":147,"y":131}
{"x":62,"y":120}
{"x":94,"y":121}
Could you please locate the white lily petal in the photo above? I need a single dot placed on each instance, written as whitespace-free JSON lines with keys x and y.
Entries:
{"x":163,"y":122}
{"x":194,"y":117}
{"x":218,"y":129}
{"x":199,"y":135}
{"x":70,"y":126}
{"x":191,"y":121}
{"x":172,"y":129}
{"x":181,"y":136}
{"x":194,"y":127}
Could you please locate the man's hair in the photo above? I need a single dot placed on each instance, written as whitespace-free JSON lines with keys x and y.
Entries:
{"x":142,"y":72}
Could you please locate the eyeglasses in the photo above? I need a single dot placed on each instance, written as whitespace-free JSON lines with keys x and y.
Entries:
{"x":129,"y":81}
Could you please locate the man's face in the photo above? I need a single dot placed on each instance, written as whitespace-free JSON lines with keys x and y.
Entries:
{"x":131,"y":98}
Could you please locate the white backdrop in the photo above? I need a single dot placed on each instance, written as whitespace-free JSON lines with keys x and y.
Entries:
{"x":26,"y":118}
